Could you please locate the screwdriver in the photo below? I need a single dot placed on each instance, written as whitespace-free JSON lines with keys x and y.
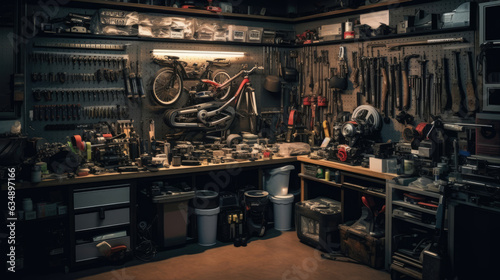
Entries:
{"x":140,"y":84}
{"x":133,"y":81}
{"x":126,"y":78}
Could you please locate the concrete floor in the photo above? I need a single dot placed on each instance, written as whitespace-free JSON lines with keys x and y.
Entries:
{"x":278,"y":255}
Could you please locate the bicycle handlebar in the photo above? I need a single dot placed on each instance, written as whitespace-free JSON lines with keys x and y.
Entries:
{"x":248,"y":72}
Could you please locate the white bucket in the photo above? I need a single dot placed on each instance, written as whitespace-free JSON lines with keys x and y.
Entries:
{"x":276,"y":180}
{"x":207,"y":226}
{"x":282,"y":211}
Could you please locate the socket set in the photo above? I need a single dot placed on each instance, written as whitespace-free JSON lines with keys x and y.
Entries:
{"x":100,"y":75}
{"x":77,"y":95}
{"x":77,"y":59}
{"x":63,"y":112}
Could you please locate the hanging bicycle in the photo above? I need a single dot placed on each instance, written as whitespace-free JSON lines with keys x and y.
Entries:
{"x":216,"y":115}
{"x":168,"y":84}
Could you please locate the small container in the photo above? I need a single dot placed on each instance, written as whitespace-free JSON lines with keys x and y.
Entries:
{"x":43,"y":168}
{"x":327,"y":175}
{"x":20,"y":215}
{"x":176,"y":161}
{"x":27,"y":204}
{"x":337,"y":176}
{"x":320,"y":173}
{"x":36,"y":174}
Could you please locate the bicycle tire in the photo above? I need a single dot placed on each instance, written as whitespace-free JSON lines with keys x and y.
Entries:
{"x":220,"y":76}
{"x":167,"y":90}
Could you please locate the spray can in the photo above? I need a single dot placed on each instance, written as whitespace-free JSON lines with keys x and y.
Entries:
{"x":348,"y":33}
{"x":327,"y":175}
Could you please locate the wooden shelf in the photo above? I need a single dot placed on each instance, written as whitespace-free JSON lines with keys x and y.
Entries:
{"x":148,"y":39}
{"x":342,"y":12}
{"x":391,"y":36}
{"x":204,"y":13}
{"x":171,"y":10}
{"x":362,"y":189}
{"x":349,"y":168}
{"x":323,"y":181}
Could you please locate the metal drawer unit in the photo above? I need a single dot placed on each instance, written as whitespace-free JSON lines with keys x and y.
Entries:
{"x":99,"y":211}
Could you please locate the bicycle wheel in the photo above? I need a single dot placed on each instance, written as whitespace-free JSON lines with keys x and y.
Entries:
{"x":220,"y":76}
{"x":167,"y":88}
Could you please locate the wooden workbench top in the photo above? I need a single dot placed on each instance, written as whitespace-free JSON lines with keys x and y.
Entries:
{"x":171,"y":171}
{"x":348,"y":168}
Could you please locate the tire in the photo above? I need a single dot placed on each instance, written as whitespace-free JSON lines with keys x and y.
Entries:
{"x":220,"y":76}
{"x":168,"y":90}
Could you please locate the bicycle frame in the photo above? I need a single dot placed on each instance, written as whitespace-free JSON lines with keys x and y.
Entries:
{"x":205,"y":111}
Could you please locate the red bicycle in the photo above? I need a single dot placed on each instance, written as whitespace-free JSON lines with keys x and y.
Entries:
{"x":215,"y":115}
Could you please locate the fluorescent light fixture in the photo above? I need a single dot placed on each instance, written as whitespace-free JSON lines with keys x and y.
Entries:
{"x":190,"y":53}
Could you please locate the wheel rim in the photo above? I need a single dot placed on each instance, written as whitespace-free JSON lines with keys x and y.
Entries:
{"x":166,"y":88}
{"x":220,"y":78}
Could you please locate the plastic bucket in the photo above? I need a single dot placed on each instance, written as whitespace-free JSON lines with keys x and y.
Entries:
{"x":206,"y":199}
{"x":207,"y":226}
{"x":282,"y":211}
{"x":276,"y":180}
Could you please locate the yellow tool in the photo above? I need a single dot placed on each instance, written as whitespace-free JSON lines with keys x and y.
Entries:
{"x":326,"y":128}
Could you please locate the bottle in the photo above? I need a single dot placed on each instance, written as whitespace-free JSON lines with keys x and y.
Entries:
{"x":320,"y":174}
{"x":327,"y":175}
{"x":337,"y":176}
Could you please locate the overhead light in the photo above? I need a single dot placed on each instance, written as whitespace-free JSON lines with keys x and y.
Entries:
{"x":190,"y":53}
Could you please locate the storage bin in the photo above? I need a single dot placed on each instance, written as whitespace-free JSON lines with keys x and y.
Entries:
{"x":362,"y":247}
{"x":317,"y":221}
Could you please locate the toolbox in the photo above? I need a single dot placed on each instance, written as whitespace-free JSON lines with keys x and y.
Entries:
{"x":362,"y":247}
{"x":317,"y":222}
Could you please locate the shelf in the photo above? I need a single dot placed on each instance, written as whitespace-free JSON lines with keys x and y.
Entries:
{"x":353,"y":169}
{"x":414,"y":207}
{"x":323,"y":181}
{"x":363,"y":189}
{"x":204,"y":13}
{"x":41,"y":220}
{"x":171,"y":10}
{"x":342,"y":12}
{"x":148,"y":39}
{"x":414,"y":222}
{"x":391,"y":36}
{"x":415,"y":190}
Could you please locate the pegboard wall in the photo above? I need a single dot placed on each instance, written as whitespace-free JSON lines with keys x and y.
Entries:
{"x":97,"y":96}
{"x":143,"y":110}
{"x":433,"y":53}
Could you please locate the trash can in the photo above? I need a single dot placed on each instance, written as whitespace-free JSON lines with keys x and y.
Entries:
{"x":207,"y":208}
{"x":207,"y":226}
{"x":276,"y":180}
{"x":172,"y":217}
{"x":282,"y":206}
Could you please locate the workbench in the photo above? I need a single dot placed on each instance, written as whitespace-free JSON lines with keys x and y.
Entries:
{"x":107,"y":203}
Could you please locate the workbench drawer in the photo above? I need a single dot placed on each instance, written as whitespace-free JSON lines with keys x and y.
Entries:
{"x":89,"y":251}
{"x":101,"y":197}
{"x":100,"y":219}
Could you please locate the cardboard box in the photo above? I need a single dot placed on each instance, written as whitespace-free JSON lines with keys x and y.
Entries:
{"x":384,"y":165}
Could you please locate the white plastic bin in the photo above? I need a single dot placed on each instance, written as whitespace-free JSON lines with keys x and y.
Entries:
{"x":282,"y":211}
{"x":207,"y":226}
{"x":276,"y":180}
